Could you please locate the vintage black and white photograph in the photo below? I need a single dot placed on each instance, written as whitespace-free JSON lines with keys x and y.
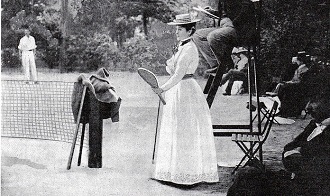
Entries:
{"x":165,"y":97}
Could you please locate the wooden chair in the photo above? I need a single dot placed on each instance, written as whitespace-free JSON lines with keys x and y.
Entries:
{"x":263,"y":110}
{"x":251,"y":142}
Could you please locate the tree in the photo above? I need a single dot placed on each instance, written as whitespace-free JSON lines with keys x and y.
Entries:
{"x":64,"y":25}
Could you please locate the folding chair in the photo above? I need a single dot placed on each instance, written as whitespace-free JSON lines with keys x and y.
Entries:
{"x":255,"y":140}
{"x":264,"y":110}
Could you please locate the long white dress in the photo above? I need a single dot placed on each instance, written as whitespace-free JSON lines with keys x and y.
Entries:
{"x":186,"y":150}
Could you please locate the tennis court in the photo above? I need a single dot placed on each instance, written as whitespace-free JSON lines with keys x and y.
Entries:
{"x":37,"y":166}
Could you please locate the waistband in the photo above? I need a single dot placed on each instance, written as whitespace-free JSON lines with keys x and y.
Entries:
{"x":187,"y":76}
{"x":27,"y":50}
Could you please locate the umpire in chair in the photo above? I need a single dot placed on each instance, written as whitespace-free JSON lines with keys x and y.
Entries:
{"x":236,"y":27}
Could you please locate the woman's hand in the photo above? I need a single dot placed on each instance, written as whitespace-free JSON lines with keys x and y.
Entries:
{"x":158,"y":91}
{"x":209,"y":9}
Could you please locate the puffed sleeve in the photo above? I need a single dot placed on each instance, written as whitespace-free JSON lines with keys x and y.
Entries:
{"x":182,"y":64}
{"x":170,"y":66}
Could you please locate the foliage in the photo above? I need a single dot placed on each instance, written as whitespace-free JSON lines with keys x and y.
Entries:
{"x":44,"y":25}
{"x":9,"y":57}
{"x":124,"y":35}
{"x":292,"y":26}
{"x":120,"y":18}
{"x":141,"y":53}
{"x":90,"y":53}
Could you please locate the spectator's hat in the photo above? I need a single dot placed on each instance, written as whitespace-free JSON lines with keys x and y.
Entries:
{"x":183,"y":19}
{"x":301,"y":54}
{"x":239,"y":50}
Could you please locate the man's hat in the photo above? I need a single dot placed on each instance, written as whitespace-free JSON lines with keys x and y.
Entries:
{"x":301,"y":54}
{"x":239,"y":50}
{"x":182,"y":19}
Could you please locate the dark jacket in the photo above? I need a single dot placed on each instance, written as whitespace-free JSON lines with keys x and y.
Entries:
{"x":318,"y":147}
{"x":312,"y":164}
{"x":99,"y":86}
{"x":244,"y":17}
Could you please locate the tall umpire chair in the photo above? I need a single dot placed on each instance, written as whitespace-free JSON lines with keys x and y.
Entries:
{"x":250,"y":39}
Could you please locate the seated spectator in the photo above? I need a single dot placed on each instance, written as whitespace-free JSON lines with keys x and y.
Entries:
{"x":290,"y":70}
{"x":239,"y":73}
{"x":215,"y":45}
{"x":303,"y":67}
{"x":291,"y":93}
{"x":307,"y":157}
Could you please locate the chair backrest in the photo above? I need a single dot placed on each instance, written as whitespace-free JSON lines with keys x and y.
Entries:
{"x":269,"y":121}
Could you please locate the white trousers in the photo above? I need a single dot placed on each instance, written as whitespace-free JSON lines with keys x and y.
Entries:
{"x":29,"y":65}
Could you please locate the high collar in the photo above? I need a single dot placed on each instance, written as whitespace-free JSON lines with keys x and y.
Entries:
{"x":183,"y":42}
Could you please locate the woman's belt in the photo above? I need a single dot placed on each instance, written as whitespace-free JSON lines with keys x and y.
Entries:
{"x":187,"y":76}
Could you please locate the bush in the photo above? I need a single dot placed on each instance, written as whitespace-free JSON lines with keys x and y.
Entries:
{"x":140,"y":52}
{"x":90,"y":53}
{"x":50,"y":53}
{"x":10,"y":58}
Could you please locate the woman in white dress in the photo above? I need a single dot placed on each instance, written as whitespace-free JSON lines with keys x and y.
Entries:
{"x":186,"y":149}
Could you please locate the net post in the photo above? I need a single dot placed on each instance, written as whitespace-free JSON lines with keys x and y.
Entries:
{"x":95,"y":133}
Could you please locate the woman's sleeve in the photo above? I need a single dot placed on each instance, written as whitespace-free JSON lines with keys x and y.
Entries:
{"x":183,"y":62}
{"x":170,"y":65}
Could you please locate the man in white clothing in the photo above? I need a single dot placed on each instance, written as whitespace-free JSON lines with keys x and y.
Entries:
{"x":239,"y":73}
{"x":27,"y":48}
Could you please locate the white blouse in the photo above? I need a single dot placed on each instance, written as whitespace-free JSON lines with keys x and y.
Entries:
{"x":185,"y":61}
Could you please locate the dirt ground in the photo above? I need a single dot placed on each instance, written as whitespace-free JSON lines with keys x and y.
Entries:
{"x":38,"y":167}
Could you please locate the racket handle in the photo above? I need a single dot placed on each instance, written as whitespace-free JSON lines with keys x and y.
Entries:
{"x":162,"y":99}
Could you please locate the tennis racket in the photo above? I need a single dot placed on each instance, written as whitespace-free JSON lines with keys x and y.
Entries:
{"x":151,"y":79}
{"x":199,"y":8}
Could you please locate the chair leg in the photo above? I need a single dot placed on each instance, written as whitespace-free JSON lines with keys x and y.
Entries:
{"x":239,"y":164}
{"x":255,"y":116}
{"x":250,"y":154}
{"x":247,"y":153}
{"x":208,"y":84}
{"x":258,"y":163}
{"x":276,"y":122}
{"x":214,"y":87}
{"x":265,"y":112}
{"x":255,"y":162}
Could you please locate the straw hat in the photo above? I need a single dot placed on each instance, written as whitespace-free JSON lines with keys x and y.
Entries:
{"x":239,"y":50}
{"x":182,"y":19}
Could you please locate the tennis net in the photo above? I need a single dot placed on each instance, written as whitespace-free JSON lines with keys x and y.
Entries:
{"x":38,"y":111}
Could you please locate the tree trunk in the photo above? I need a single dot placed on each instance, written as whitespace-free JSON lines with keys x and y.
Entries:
{"x":62,"y":58}
{"x":145,"y":24}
